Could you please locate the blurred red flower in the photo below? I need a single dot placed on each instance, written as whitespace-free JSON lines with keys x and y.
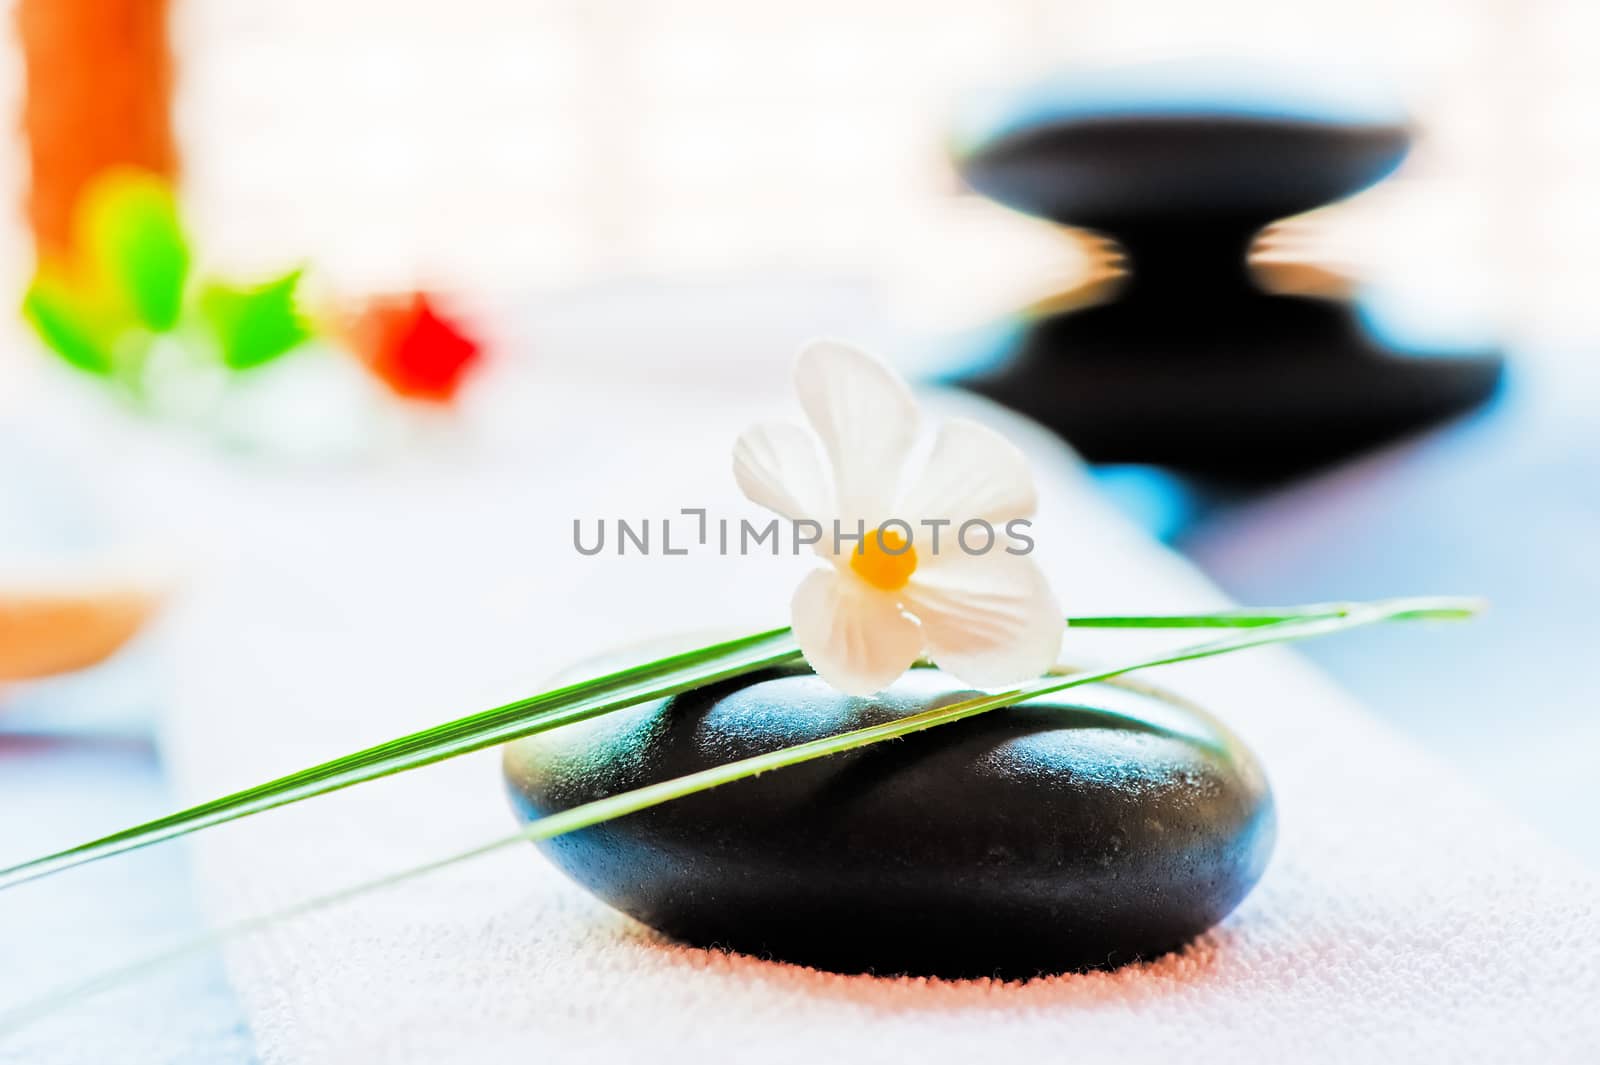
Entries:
{"x":412,"y":349}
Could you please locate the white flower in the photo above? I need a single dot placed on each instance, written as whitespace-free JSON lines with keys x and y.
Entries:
{"x":987,"y":617}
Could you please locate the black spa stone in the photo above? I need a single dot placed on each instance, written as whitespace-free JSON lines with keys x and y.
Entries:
{"x":1085,"y":830}
{"x":1186,"y":362}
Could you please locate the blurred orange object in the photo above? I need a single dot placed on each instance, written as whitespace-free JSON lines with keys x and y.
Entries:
{"x":413,"y":350}
{"x":99,"y":90}
{"x":49,"y":628}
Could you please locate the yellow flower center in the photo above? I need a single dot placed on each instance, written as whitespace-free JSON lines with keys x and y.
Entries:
{"x":884,"y":559}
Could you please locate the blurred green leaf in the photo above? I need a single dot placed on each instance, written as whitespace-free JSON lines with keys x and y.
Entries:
{"x":257,"y":324}
{"x":70,"y":324}
{"x":129,"y":234}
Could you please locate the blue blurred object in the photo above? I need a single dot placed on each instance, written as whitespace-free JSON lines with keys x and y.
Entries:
{"x":1162,"y":503}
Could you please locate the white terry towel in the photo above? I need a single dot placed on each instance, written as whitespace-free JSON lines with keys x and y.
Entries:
{"x":1403,"y":918}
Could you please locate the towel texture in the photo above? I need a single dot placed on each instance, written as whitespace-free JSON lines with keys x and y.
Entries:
{"x":1404,"y":917}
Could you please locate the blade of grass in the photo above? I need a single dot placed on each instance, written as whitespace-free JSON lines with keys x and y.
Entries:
{"x":606,"y":809}
{"x":1417,"y":608}
{"x":573,"y":702}
{"x":1348,"y":616}
{"x":586,"y":699}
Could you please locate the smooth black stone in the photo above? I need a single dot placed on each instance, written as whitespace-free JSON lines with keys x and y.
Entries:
{"x":1084,"y":830}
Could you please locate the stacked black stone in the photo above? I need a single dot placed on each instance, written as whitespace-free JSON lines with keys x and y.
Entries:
{"x":1192,"y":366}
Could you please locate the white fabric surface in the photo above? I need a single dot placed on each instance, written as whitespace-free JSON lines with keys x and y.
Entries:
{"x":1403,"y":918}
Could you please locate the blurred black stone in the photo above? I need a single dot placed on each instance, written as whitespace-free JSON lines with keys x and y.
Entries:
{"x":1192,"y":366}
{"x":1083,"y":830}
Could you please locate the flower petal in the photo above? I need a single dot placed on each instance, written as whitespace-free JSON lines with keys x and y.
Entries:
{"x":856,"y":638}
{"x":973,"y":472}
{"x":867,"y":420}
{"x":776,"y":466}
{"x":989,"y":619}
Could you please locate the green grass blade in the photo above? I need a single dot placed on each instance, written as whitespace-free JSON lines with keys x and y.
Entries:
{"x":1309,"y":625}
{"x":606,"y":809}
{"x":1418,"y":608}
{"x":574,"y":702}
{"x":590,"y":698}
